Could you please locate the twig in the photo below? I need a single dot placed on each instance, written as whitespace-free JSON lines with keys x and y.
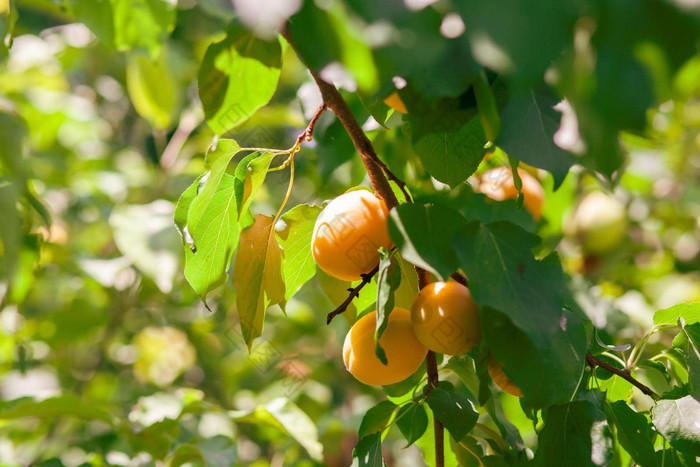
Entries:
{"x":308,"y":133}
{"x":457,"y":277}
{"x":594,"y":362}
{"x":354,"y":292}
{"x":378,"y":173}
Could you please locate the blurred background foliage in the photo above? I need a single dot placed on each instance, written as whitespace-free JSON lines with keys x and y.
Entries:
{"x":108,"y":357}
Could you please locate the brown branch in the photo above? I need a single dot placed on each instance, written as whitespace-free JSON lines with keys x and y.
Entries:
{"x":594,"y":362}
{"x":308,"y":133}
{"x":354,"y":292}
{"x":379,"y":175}
{"x":457,"y":277}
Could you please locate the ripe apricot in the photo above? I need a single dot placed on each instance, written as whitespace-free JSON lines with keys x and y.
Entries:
{"x":445,"y":318}
{"x":499,"y":377}
{"x":498,"y":185}
{"x":348,"y":234}
{"x":394,"y":101}
{"x":404,"y":352}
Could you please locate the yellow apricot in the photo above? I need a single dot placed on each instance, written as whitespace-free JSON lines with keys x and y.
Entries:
{"x":348,"y":234}
{"x":498,"y":185}
{"x":499,"y":377}
{"x":445,"y":318}
{"x":403,"y":350}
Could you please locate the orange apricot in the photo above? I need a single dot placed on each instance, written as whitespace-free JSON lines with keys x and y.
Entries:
{"x":445,"y":318}
{"x":404,"y":352}
{"x":498,"y":184}
{"x":348,"y":234}
{"x":499,"y":377}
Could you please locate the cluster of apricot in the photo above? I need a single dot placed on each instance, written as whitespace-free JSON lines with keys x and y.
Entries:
{"x":443,"y":317}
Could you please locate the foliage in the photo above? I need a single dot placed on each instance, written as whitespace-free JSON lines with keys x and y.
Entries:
{"x":126,"y":122}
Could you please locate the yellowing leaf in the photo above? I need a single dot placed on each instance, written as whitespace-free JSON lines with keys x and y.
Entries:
{"x":257,"y":275}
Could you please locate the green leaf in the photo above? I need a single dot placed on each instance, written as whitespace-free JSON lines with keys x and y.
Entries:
{"x":488,"y":108}
{"x":423,"y":234}
{"x":412,"y":420}
{"x":8,"y":18}
{"x":337,"y":38}
{"x":182,"y":208}
{"x":298,"y":424}
{"x":518,"y":39}
{"x":96,"y":15}
{"x":505,"y":275}
{"x":153,"y":91}
{"x":63,"y":405}
{"x":376,"y":419}
{"x":426,"y":444}
{"x":215,"y":238}
{"x":238,"y":76}
{"x":369,"y":451}
{"x":257,"y":276}
{"x":10,"y":234}
{"x":677,"y":421}
{"x":142,"y":24}
{"x":294,"y":236}
{"x":691,"y":349}
{"x":454,"y":410}
{"x":690,"y":312}
{"x":450,"y":145}
{"x":633,"y":432}
{"x":419,"y":58}
{"x":570,"y":436}
{"x":388,"y":281}
{"x":528,"y":124}
{"x":217,"y":159}
{"x":523,"y":322}
{"x":250,"y":174}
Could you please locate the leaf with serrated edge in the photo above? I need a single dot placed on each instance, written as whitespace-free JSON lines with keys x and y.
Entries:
{"x":217,"y":159}
{"x":215,"y":236}
{"x":257,"y":275}
{"x":235,"y":82}
{"x":528,"y":124}
{"x":452,"y":155}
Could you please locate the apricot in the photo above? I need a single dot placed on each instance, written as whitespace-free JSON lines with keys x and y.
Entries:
{"x":394,"y":101}
{"x":498,"y":184}
{"x":404,"y":352}
{"x":499,"y":377}
{"x":348,"y":234}
{"x":599,"y":223}
{"x":445,"y":318}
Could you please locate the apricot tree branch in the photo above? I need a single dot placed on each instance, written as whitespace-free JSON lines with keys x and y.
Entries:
{"x":457,"y":277}
{"x":354,"y":292}
{"x":379,"y":175}
{"x":594,"y":362}
{"x":308,"y":133}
